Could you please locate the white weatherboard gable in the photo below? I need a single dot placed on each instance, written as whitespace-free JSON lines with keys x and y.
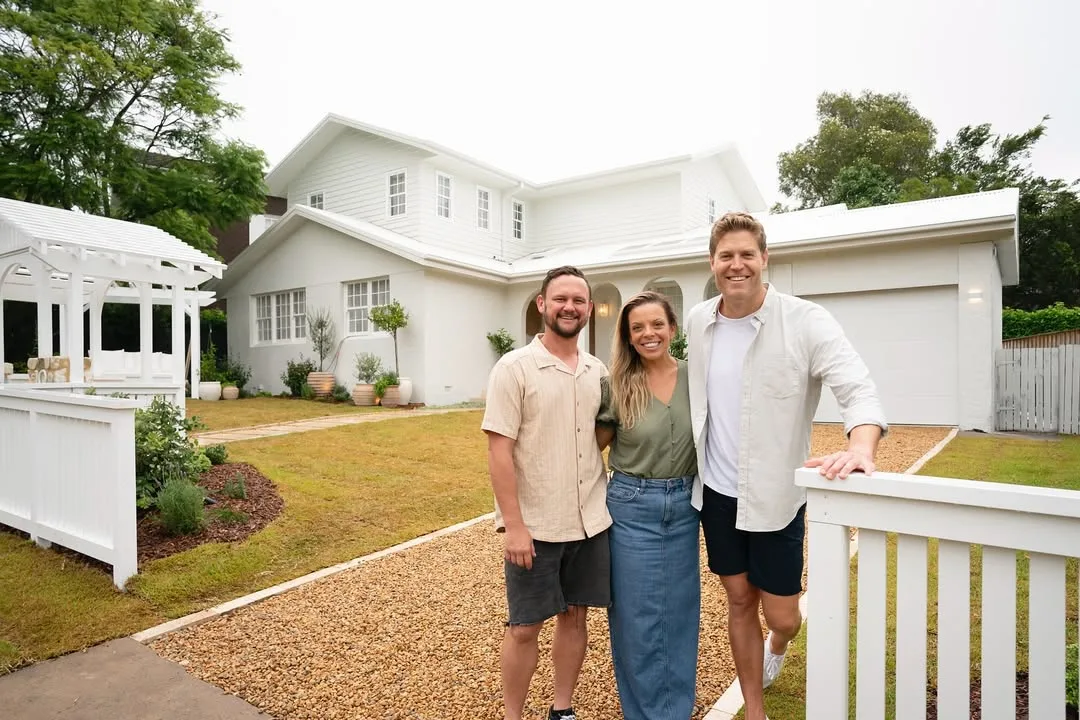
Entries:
{"x":922,"y":277}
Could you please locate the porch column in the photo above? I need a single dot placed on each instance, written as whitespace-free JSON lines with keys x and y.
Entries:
{"x":1,"y":328}
{"x":196,"y":344}
{"x":74,"y":328}
{"x":44,"y":311}
{"x":178,"y":334}
{"x":96,"y":306}
{"x":146,"y":329}
{"x":62,"y":319}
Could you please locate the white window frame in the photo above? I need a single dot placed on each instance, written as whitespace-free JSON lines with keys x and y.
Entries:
{"x":439,"y":197}
{"x":517,"y":219}
{"x":483,"y":208}
{"x":319,"y":204}
{"x":404,"y":194}
{"x":283,"y":322}
{"x":711,"y":210}
{"x":363,"y":292}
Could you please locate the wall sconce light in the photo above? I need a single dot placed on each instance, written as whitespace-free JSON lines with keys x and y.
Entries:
{"x":975,"y":295}
{"x":603,"y":310}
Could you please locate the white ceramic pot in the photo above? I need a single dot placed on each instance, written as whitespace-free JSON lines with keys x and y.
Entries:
{"x":405,"y":389}
{"x":210,"y":390}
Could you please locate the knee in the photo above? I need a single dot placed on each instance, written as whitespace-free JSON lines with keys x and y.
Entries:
{"x":572,"y":619}
{"x":743,"y":601}
{"x":786,"y":622}
{"x":523,"y":634}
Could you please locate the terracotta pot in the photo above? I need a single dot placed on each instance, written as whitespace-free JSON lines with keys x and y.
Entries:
{"x":230,"y":393}
{"x":321,"y":382}
{"x":392,"y":396}
{"x":363,"y":394}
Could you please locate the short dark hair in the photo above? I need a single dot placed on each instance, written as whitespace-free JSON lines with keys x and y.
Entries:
{"x":559,"y":272}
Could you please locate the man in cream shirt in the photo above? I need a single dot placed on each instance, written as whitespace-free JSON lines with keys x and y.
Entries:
{"x":757,"y":360}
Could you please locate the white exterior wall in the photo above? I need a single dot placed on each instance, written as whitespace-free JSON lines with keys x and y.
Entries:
{"x":461,"y":231}
{"x":979,"y":333}
{"x":461,"y":312}
{"x":701,"y":180}
{"x":352,"y":173}
{"x":642,"y":210}
{"x":321,"y":261}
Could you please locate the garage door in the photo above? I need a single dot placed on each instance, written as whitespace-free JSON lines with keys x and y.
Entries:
{"x":908,"y":340}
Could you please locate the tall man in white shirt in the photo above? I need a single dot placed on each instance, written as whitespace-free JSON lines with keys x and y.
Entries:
{"x":758,"y":359}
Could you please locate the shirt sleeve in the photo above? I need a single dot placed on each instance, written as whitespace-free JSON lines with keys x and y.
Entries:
{"x":834,"y":360}
{"x":606,"y":414}
{"x":505,"y":396}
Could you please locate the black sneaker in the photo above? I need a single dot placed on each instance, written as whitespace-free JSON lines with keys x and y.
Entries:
{"x":568,"y":714}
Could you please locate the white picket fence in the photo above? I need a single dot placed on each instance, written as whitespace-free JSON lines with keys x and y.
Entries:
{"x":67,"y":473}
{"x":1004,"y":520}
{"x":1038,"y":389}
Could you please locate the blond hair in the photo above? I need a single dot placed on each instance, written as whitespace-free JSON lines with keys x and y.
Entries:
{"x":630,"y":394}
{"x":732,"y":222}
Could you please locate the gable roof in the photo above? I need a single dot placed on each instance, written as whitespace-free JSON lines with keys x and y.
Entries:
{"x":814,"y":230}
{"x":333,"y":126}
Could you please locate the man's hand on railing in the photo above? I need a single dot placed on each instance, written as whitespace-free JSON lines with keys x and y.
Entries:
{"x":842,"y":464}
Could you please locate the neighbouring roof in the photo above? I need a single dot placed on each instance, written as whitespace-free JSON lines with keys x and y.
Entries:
{"x":333,"y":126}
{"x":28,"y":226}
{"x":813,"y":230}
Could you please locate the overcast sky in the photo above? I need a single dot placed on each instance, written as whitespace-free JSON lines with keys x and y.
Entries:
{"x":560,"y":87}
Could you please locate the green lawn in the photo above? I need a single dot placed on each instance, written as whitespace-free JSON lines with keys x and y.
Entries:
{"x":229,"y":414}
{"x":995,"y":459}
{"x":348,"y":491}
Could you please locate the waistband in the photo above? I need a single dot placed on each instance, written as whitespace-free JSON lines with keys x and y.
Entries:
{"x":672,"y":482}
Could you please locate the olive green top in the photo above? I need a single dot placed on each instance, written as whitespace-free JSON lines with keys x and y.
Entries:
{"x":661,"y":443}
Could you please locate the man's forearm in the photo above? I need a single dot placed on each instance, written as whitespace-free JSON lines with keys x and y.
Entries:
{"x":865,"y":438}
{"x":504,"y":485}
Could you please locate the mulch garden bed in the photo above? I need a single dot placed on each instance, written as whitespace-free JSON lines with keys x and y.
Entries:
{"x":976,"y":701}
{"x":228,"y":519}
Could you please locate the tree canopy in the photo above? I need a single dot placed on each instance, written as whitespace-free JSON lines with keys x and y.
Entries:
{"x":878,"y":149}
{"x":111,"y":107}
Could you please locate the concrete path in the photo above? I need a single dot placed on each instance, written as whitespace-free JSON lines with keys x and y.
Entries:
{"x":215,"y":437}
{"x":118,"y":680}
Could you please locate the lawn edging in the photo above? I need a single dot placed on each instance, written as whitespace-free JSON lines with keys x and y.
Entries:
{"x":730,"y":702}
{"x":197,"y":618}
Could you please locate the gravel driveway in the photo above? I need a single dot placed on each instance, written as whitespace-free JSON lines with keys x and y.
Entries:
{"x":416,"y":635}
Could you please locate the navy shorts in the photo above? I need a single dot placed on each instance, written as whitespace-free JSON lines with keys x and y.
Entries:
{"x":562,"y":574}
{"x":773,"y":560}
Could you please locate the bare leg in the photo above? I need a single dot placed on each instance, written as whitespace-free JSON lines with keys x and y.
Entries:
{"x":519,"y":656}
{"x":568,"y":653}
{"x":783,"y":617}
{"x":747,"y":643}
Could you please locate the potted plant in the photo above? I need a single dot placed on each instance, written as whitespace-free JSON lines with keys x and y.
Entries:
{"x":368,"y":367}
{"x":209,"y":380}
{"x":229,"y":391}
{"x":387,"y":390}
{"x":391,"y":318}
{"x":323,"y":335}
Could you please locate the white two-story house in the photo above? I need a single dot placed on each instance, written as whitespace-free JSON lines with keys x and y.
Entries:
{"x":373,"y":215}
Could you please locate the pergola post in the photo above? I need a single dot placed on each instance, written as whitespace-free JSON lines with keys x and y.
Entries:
{"x":178,"y":334}
{"x":75,"y":327}
{"x":96,"y":306}
{"x":44,"y":311}
{"x":2,"y":357}
{"x":196,"y":345}
{"x":146,"y":329}
{"x":61,"y":318}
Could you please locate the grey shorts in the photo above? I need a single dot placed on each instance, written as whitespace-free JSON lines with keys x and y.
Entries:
{"x":562,"y":574}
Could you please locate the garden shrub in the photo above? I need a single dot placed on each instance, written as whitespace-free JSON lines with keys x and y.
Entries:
{"x":678,"y":345}
{"x":341,"y":394}
{"x":502,"y":341}
{"x":295,"y":375}
{"x":164,"y":449}
{"x":235,"y":488}
{"x":180,"y":503}
{"x":1072,"y":676}
{"x":217,"y":454}
{"x":236,"y":372}
{"x":1021,"y":323}
{"x":368,"y":367}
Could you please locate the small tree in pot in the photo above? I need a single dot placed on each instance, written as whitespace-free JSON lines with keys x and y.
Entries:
{"x":368,"y":369}
{"x":323,"y":335}
{"x":391,"y":318}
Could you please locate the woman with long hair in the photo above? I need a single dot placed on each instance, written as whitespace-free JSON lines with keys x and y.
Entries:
{"x":656,"y":593}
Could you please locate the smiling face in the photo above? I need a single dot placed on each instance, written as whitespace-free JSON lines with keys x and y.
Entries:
{"x":565,"y":306}
{"x":736,"y":264}
{"x":650,"y":330}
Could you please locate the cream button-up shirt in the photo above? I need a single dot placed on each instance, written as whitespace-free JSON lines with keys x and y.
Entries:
{"x":798,"y":347}
{"x":550,"y":412}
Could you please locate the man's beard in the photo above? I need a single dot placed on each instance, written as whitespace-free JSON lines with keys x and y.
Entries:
{"x":552,"y":323}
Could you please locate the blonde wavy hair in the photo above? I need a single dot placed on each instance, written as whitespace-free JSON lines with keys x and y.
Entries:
{"x":630,"y":393}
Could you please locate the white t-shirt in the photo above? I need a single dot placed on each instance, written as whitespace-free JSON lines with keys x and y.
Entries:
{"x":731,"y":340}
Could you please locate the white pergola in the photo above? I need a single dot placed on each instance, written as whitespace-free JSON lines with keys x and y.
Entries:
{"x":52,"y":256}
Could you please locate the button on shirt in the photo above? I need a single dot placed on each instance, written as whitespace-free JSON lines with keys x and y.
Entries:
{"x":550,"y":411}
{"x":798,"y":347}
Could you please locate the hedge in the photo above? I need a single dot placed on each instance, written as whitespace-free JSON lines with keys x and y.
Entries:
{"x":1021,"y":323}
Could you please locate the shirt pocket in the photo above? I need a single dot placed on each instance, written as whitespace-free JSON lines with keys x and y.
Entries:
{"x":780,"y":377}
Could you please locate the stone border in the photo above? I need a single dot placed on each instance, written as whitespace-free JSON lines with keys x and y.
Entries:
{"x":146,"y":636}
{"x":731,"y":702}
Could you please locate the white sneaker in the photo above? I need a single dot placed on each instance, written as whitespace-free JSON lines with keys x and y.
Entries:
{"x":772,"y":663}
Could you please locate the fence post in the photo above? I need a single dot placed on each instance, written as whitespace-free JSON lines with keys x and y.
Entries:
{"x":828,"y":635}
{"x":125,"y":535}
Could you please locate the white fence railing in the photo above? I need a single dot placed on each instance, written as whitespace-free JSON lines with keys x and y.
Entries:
{"x":144,"y":392}
{"x":67,"y":473}
{"x":1005,"y":520}
{"x":1038,"y":389}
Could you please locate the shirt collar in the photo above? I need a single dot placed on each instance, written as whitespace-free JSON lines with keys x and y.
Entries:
{"x":544,"y":358}
{"x":761,"y":315}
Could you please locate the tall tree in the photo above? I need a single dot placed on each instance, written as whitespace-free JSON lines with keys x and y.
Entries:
{"x":111,"y":107}
{"x":885,"y":132}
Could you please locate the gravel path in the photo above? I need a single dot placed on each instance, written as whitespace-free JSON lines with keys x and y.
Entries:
{"x":416,"y":635}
